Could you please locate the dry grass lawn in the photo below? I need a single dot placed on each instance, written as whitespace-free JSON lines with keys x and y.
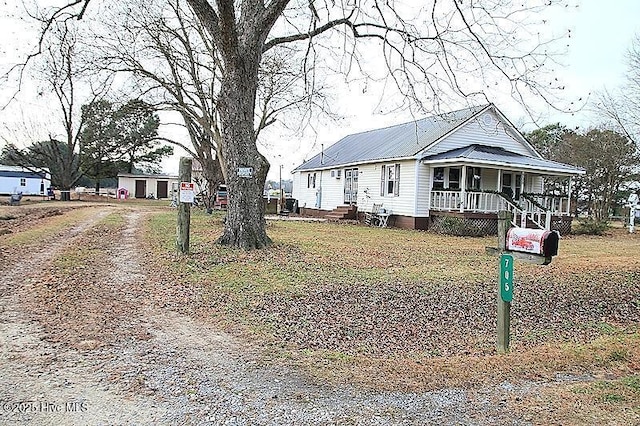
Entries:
{"x":392,"y":309}
{"x":399,"y":310}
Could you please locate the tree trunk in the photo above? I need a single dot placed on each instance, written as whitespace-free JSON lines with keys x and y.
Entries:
{"x":245,"y":226}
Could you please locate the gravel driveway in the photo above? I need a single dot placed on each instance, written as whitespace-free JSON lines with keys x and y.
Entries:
{"x":177,"y":370}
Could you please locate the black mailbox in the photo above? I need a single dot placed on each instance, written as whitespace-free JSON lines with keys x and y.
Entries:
{"x":534,"y":241}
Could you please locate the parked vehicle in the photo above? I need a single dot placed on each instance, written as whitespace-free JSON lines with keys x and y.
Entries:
{"x":221,"y":198}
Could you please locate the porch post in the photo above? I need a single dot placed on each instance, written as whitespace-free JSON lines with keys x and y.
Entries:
{"x":463,"y":189}
{"x":569,"y":196}
{"x":499,"y":188}
{"x":521,"y":183}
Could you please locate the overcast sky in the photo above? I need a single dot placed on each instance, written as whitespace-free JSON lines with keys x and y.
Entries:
{"x":602,"y":32}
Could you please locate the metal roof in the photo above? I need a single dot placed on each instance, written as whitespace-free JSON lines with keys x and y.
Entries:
{"x":147,"y":176}
{"x":26,"y":174}
{"x":399,"y":141}
{"x":18,"y":171}
{"x":499,"y":156}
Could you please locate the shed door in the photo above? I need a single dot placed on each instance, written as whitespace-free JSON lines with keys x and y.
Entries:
{"x":162,"y":189}
{"x":141,"y":189}
{"x":351,"y":186}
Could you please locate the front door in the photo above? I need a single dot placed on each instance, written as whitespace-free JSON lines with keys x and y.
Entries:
{"x":351,"y":186}
{"x":141,"y":189}
{"x":513,"y":184}
{"x":474,"y":175}
{"x":162,"y":189}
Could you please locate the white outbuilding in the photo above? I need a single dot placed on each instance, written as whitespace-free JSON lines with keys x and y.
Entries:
{"x":15,"y":179}
{"x":147,"y":185}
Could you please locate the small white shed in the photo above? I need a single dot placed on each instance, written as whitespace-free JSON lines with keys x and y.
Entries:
{"x":15,"y":179}
{"x":152,"y":186}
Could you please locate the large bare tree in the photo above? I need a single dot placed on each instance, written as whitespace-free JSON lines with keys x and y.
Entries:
{"x":174,"y":63}
{"x":64,"y":80}
{"x":431,"y":50}
{"x":622,"y":106}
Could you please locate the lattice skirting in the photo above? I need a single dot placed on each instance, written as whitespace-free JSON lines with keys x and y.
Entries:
{"x":453,"y":225}
{"x":481,"y":226}
{"x":562,"y":225}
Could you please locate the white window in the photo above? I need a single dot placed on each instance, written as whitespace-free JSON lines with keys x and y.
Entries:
{"x":520,"y":183}
{"x":311,"y":180}
{"x":506,"y":184}
{"x":454,"y":178}
{"x":512,"y":184}
{"x":438,"y":178}
{"x":23,"y":182}
{"x":390,"y":180}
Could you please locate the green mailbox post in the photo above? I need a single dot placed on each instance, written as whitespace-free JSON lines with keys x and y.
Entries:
{"x":523,"y":244}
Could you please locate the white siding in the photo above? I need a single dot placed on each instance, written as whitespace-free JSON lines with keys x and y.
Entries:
{"x":11,"y":185}
{"x":369,"y":186}
{"x":477,"y":132}
{"x":423,"y":185}
{"x":296,"y":190}
{"x":535,"y":184}
{"x":332,"y":190}
{"x":489,"y":180}
{"x":129,"y":183}
{"x":306,"y":196}
{"x":370,"y":181}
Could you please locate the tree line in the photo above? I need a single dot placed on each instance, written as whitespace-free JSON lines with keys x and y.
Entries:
{"x":610,"y":159}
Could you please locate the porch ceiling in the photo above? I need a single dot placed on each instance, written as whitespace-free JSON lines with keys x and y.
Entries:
{"x":498,"y":157}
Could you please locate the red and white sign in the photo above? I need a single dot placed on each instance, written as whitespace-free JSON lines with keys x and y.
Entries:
{"x":187,"y":192}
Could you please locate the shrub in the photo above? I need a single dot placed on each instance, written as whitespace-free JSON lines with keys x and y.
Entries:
{"x":456,"y":226}
{"x":591,"y":226}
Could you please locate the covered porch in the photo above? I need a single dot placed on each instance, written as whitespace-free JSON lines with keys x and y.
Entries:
{"x":478,"y":181}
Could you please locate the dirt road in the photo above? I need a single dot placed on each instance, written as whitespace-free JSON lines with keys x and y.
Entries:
{"x":146,"y":364}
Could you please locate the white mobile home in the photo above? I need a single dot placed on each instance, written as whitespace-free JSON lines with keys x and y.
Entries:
{"x":15,"y":179}
{"x":468,"y":164}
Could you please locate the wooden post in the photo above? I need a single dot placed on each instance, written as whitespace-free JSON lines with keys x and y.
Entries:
{"x":184,"y":209}
{"x":463,"y":189}
{"x":504,"y":308}
{"x":569,"y":197}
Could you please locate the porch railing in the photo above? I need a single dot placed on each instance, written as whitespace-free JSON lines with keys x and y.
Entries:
{"x":484,"y":202}
{"x":559,"y":205}
{"x":489,"y":202}
{"x":535,"y":209}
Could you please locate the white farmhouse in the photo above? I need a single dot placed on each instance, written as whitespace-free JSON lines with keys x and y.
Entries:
{"x":466,"y":164}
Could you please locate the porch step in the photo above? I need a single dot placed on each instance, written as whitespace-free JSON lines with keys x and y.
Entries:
{"x":342,"y":213}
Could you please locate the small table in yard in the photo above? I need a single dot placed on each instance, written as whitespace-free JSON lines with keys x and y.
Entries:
{"x":382,"y":219}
